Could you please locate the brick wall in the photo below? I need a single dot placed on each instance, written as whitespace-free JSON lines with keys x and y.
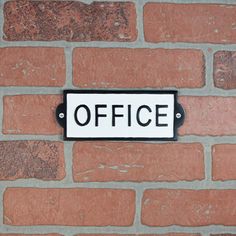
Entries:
{"x":50,"y":187}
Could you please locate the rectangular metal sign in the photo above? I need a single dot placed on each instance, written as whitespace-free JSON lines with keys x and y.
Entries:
{"x":120,"y":114}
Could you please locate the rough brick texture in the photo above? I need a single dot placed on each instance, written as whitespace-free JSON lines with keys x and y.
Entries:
{"x":30,"y":114}
{"x":69,"y":20}
{"x":31,"y":159}
{"x":137,"y":68}
{"x":198,"y":23}
{"x":32,"y":66}
{"x":72,"y":207}
{"x":99,"y":161}
{"x":55,"y":187}
{"x":225,"y":69}
{"x":188,"y":207}
{"x":224,"y":162}
{"x":209,"y":115}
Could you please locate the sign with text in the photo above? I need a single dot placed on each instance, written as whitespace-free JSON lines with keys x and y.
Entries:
{"x":120,"y":114}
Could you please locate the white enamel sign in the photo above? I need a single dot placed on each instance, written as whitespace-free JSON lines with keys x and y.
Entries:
{"x":138,"y":115}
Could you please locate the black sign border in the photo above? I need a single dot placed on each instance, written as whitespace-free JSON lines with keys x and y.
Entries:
{"x":62,"y":108}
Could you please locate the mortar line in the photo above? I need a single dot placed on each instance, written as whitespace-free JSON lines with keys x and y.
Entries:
{"x":139,"y":21}
{"x":69,"y":68}
{"x":2,"y":189}
{"x":209,"y":71}
{"x":55,"y":138}
{"x":72,"y":230}
{"x":181,"y":139}
{"x":1,"y":20}
{"x":138,"y":208}
{"x":107,"y":44}
{"x":208,"y":139}
{"x":201,"y":92}
{"x":1,"y":114}
{"x":68,"y":155}
{"x":205,"y":234}
{"x":69,"y":234}
{"x":207,"y":161}
{"x":30,"y":90}
{"x":192,"y":185}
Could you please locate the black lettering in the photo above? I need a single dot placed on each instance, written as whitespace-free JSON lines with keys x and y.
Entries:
{"x":129,"y":115}
{"x":114,"y":115}
{"x":160,"y":114}
{"x":88,"y":115}
{"x":138,"y":115}
{"x":97,"y":115}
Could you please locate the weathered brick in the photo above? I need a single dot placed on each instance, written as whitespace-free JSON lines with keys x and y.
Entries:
{"x":32,"y":66}
{"x":188,"y":207}
{"x":99,"y":161}
{"x":225,"y":69}
{"x":31,"y":159}
{"x":197,"y":23}
{"x":209,"y":115}
{"x":69,"y":20}
{"x":71,"y":207}
{"x":224,"y":162}
{"x":123,"y":67}
{"x":30,"y":114}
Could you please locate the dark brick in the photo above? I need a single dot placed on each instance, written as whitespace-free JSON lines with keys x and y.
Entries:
{"x":225,"y":69}
{"x":69,"y":20}
{"x":31,"y":159}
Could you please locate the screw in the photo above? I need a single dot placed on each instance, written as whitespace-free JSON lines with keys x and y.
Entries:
{"x":178,"y":115}
{"x":61,"y":115}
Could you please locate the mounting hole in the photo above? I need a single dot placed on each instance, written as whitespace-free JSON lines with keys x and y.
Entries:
{"x":178,"y":115}
{"x":61,"y":115}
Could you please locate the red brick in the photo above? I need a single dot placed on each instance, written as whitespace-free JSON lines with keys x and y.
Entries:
{"x":30,"y":114}
{"x":196,"y":23}
{"x":209,"y":115}
{"x":166,"y":207}
{"x":69,"y":20}
{"x":224,"y":162}
{"x":69,"y":207}
{"x":136,"y":68}
{"x":99,"y":161}
{"x":28,"y":66}
{"x":225,"y":69}
{"x":31,"y":159}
